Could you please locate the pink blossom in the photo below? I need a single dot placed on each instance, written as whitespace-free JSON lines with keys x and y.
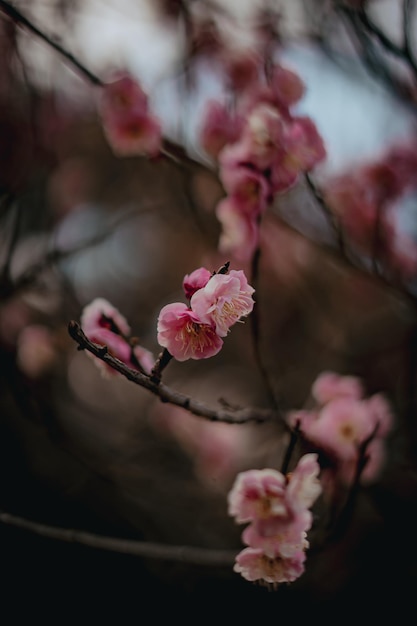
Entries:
{"x":341,"y":427}
{"x":375,"y":459}
{"x":224,"y":300}
{"x":196,"y":280}
{"x":129,"y":126}
{"x":263,"y":134}
{"x":380,"y":414}
{"x":242,"y":67}
{"x":254,"y":565}
{"x":104,"y":325}
{"x":219,"y":127}
{"x":301,"y":149}
{"x":101,"y":314}
{"x":248,"y":187}
{"x":329,"y":385}
{"x":257,"y":494}
{"x":286,"y":85}
{"x":185,"y":335}
{"x":279,"y":536}
{"x":301,"y":419}
{"x":303,"y":485}
{"x":240,"y":232}
{"x":145,"y":358}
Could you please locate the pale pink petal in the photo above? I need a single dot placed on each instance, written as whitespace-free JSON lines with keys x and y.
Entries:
{"x":286,"y":85}
{"x":219,"y":128}
{"x":279,"y":536}
{"x":329,"y":385}
{"x":257,"y":494}
{"x":240,"y":233}
{"x":342,"y":426}
{"x":129,"y":126}
{"x":183,"y":334}
{"x":224,"y":300}
{"x":196,"y":280}
{"x":304,"y":486}
{"x":101,"y":314}
{"x":254,"y":565}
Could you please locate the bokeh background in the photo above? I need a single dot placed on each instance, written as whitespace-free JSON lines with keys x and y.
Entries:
{"x":80,"y":451}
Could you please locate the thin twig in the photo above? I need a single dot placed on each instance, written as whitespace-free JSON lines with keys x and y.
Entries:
{"x":24,"y":22}
{"x":165,"y":393}
{"x":182,"y":554}
{"x":330,"y":216}
{"x":29,"y":276}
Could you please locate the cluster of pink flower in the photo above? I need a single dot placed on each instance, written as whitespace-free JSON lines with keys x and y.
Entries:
{"x":128,"y":124}
{"x":341,"y":422}
{"x":366,"y":201}
{"x":277,"y":508}
{"x":261,"y":149}
{"x":217,"y":302}
{"x":104,"y":325}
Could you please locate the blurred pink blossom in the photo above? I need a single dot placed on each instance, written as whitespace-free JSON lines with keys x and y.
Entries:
{"x":240,"y":232}
{"x":127,"y":122}
{"x":254,"y":565}
{"x":342,"y":422}
{"x":218,"y":128}
{"x":329,"y":385}
{"x":104,"y":325}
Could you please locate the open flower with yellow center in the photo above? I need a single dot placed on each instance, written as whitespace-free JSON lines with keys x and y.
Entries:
{"x":184,"y":335}
{"x":224,"y":300}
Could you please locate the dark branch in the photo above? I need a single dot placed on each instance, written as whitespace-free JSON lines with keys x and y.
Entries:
{"x":183,"y":554}
{"x":24,"y":22}
{"x":166,"y":394}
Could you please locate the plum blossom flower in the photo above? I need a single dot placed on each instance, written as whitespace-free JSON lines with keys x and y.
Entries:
{"x":196,"y":280}
{"x":277,"y":509}
{"x":329,"y":385}
{"x":240,"y":232}
{"x":286,"y":85}
{"x":224,"y":300}
{"x":248,"y":188}
{"x":101,"y":314}
{"x":218,"y":301}
{"x":254,"y":565}
{"x":185,"y":335}
{"x":219,"y":127}
{"x":257,"y":494}
{"x":344,"y":424}
{"x":302,"y":149}
{"x":129,"y":126}
{"x":103,"y":324}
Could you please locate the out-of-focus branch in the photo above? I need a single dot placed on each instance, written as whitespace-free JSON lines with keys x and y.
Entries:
{"x":165,"y":393}
{"x":330,"y":216}
{"x":366,"y":33}
{"x":182,"y":554}
{"x":8,"y":9}
{"x":9,"y":288}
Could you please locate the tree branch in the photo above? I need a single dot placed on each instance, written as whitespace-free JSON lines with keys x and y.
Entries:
{"x":24,"y":22}
{"x":165,"y":393}
{"x":183,"y":554}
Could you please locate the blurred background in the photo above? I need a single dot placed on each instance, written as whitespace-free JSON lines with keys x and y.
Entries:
{"x":102,"y":455}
